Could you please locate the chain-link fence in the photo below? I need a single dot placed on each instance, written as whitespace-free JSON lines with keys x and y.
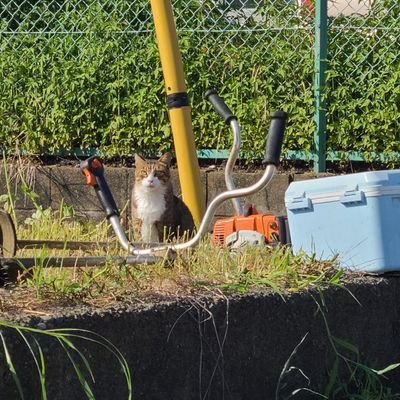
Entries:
{"x":364,"y":67}
{"x":84,"y":73}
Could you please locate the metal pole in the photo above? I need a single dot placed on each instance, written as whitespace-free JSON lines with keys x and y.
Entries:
{"x":321,"y":53}
{"x":179,"y":109}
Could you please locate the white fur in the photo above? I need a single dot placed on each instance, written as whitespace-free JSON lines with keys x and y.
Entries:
{"x":150,"y":200}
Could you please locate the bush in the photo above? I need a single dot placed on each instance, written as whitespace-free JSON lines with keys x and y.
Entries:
{"x":101,"y":85}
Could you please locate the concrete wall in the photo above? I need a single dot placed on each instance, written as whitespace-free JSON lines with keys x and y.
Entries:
{"x":54,"y":183}
{"x":217,"y":347}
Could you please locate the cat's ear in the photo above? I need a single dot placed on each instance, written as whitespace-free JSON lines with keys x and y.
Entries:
{"x":139,"y":160}
{"x":166,"y":159}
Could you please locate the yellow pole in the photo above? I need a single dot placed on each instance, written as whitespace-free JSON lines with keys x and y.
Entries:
{"x":178,"y":107}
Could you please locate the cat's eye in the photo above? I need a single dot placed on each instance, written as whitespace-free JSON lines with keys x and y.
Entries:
{"x":159,"y":173}
{"x":143,"y":173}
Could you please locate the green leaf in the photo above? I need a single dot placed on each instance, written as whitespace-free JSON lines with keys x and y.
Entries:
{"x":11,"y":367}
{"x":387,"y":369}
{"x":346,"y":345}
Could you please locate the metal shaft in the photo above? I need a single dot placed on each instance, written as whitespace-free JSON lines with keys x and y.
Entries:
{"x":233,"y":156}
{"x":179,"y":109}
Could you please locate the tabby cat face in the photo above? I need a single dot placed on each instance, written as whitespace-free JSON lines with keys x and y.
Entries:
{"x":152,"y":174}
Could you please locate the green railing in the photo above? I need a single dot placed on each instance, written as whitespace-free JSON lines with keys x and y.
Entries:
{"x":86,"y":74}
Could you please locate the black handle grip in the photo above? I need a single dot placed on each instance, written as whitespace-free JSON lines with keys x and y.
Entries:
{"x":275,"y":137}
{"x":93,"y":169}
{"x":219,"y":105}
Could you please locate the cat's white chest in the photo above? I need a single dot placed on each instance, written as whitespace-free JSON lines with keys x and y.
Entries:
{"x":150,"y":208}
{"x":150,"y":203}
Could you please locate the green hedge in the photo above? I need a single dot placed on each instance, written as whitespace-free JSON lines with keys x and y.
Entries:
{"x":102,"y":86}
{"x":364,"y":84}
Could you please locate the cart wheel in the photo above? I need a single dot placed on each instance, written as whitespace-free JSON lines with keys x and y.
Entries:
{"x":8,"y":238}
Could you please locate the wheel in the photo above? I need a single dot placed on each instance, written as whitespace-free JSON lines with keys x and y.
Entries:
{"x":8,"y":238}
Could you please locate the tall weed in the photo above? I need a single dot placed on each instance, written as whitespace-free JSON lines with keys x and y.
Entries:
{"x":66,"y":338}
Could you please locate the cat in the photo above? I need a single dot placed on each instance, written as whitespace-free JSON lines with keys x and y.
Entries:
{"x":157,"y":213}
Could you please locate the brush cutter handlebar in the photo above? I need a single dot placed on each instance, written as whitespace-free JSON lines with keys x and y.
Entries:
{"x":93,"y":169}
{"x":275,"y":137}
{"x":223,"y":110}
{"x":219,"y":105}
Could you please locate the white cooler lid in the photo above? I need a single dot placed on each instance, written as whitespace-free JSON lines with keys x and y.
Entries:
{"x":333,"y":188}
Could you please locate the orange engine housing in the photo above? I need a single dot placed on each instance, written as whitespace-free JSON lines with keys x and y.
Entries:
{"x":266,"y":224}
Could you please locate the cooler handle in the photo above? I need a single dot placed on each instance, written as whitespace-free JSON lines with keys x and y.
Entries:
{"x":299,"y":204}
{"x":350,"y":197}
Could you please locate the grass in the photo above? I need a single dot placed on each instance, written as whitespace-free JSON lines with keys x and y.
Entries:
{"x":204,"y":268}
{"x":64,"y":224}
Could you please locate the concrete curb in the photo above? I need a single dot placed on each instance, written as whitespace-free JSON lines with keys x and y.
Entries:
{"x":232,"y":347}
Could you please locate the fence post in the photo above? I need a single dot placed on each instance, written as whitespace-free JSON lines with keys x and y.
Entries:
{"x":321,"y":53}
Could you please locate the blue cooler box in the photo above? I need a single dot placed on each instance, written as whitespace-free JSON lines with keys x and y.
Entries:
{"x":355,"y":217}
